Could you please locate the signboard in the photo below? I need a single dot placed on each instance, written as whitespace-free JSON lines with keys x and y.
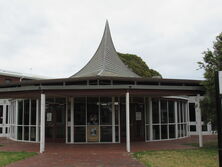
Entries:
{"x":220,"y":81}
{"x":93,"y":133}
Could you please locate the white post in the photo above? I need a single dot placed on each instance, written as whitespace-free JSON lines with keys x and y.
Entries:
{"x":42,"y":129}
{"x":199,"y":121}
{"x":127,"y":123}
{"x":113,"y":121}
{"x":72,"y":119}
{"x":37,"y":120}
{"x":16,"y":120}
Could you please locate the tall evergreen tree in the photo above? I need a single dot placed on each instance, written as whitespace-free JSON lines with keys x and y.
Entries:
{"x":212,"y":61}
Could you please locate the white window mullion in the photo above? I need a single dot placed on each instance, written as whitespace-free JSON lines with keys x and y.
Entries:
{"x":151,"y":118}
{"x":23,"y":118}
{"x":159,"y":106}
{"x":67,"y":101}
{"x":168,"y":131}
{"x":176,"y":119}
{"x":16,"y":119}
{"x":113,"y":121}
{"x":30,"y":107}
{"x":72,"y":119}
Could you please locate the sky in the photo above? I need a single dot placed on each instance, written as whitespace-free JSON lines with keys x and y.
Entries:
{"x":56,"y":38}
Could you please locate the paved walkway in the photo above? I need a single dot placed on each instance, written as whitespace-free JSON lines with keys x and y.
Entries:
{"x":91,"y":155}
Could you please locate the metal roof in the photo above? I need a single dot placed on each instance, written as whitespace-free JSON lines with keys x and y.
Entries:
{"x":21,"y":75}
{"x":105,"y":61}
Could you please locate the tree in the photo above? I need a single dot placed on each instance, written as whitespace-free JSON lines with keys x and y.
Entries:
{"x":137,"y":65}
{"x":212,"y":61}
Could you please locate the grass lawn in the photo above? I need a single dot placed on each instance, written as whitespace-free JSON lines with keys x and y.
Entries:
{"x":9,"y":157}
{"x":204,"y":157}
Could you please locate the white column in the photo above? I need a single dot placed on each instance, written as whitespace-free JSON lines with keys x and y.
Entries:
{"x":72,"y":119}
{"x":151,"y":118}
{"x":15,"y":120}
{"x":42,"y":129}
{"x":113,"y":121}
{"x":199,"y":121}
{"x":37,"y":121}
{"x":67,"y":103}
{"x":127,"y":123}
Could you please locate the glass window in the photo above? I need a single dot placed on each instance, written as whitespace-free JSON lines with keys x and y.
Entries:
{"x":26,"y":133}
{"x":116,"y":114}
{"x":20,"y":129}
{"x":92,"y":111}
{"x":204,"y":127}
{"x":156,"y":132}
{"x":26,"y":112}
{"x":155,"y":108}
{"x":33,"y":112}
{"x":1,"y":114}
{"x":193,"y":128}
{"x":106,"y":134}
{"x":164,"y":111}
{"x":7,"y":113}
{"x":172,"y":133}
{"x":147,"y":132}
{"x":20,"y":112}
{"x":80,"y":134}
{"x":33,"y":134}
{"x":80,"y":111}
{"x":164,"y":131}
{"x":105,"y":111}
{"x":192,"y":112}
{"x":147,"y":112}
{"x":171,"y":111}
{"x":117,"y":133}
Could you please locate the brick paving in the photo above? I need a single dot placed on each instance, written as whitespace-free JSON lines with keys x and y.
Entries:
{"x":91,"y":155}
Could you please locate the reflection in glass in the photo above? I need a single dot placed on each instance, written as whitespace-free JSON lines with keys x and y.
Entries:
{"x":156,"y":132}
{"x":163,"y":111}
{"x":80,"y":111}
{"x":105,"y":111}
{"x":106,"y":134}
{"x":80,"y":134}
{"x":155,"y":106}
{"x":92,"y":111}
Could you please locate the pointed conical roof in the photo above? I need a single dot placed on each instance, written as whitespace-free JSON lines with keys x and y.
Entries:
{"x":105,"y":61}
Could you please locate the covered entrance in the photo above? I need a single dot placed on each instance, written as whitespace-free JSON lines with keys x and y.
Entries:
{"x":55,"y":120}
{"x":137,"y":119}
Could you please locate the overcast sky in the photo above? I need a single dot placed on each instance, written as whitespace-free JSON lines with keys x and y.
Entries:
{"x":56,"y":38}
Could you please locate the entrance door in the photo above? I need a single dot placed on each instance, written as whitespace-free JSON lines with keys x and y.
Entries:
{"x":137,"y":124}
{"x":55,"y":122}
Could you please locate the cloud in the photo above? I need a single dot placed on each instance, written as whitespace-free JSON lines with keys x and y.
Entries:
{"x":57,"y":38}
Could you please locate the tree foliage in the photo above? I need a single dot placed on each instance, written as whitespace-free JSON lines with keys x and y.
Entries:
{"x":212,"y":61}
{"x":138,"y":65}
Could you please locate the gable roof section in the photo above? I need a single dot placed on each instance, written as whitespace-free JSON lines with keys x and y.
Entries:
{"x":105,"y":61}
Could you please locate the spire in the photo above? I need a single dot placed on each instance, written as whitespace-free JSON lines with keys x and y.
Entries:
{"x":105,"y":61}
